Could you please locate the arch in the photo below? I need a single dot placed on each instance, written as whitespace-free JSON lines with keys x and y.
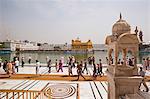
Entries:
{"x":128,"y":39}
{"x":120,"y":56}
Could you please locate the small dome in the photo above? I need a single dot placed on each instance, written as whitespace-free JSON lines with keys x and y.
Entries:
{"x":120,"y":27}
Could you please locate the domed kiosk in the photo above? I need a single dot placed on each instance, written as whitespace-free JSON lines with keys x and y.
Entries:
{"x":122,"y":78}
{"x":122,"y":41}
{"x":120,"y":27}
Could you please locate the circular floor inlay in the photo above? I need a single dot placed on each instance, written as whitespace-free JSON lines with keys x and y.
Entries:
{"x":60,"y":91}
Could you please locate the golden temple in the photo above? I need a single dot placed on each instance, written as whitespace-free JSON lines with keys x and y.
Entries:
{"x":78,"y":45}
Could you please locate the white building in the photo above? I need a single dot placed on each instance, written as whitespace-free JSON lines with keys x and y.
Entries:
{"x":46,"y":46}
{"x":28,"y":46}
{"x":11,"y":45}
{"x":8,"y":46}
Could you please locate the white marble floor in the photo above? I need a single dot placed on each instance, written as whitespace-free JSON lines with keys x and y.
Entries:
{"x":87,"y":89}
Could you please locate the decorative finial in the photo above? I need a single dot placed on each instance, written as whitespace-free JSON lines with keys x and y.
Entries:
{"x":120,"y":16}
{"x":136,"y":30}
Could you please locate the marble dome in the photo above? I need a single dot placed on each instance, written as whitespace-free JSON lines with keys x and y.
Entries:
{"x":120,"y":27}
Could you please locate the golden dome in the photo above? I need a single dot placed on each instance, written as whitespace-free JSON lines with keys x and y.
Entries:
{"x":120,"y":27}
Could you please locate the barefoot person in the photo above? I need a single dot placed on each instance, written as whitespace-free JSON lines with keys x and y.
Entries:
{"x":100,"y":68}
{"x":9,"y":68}
{"x":29,"y":59}
{"x":49,"y":66}
{"x":37,"y":66}
{"x":17,"y":64}
{"x":22,"y":62}
{"x":5,"y":65}
{"x":94,"y":71}
{"x":85,"y":67}
{"x":142,"y":73}
{"x":70,"y":67}
{"x":60,"y":66}
{"x":79,"y":70}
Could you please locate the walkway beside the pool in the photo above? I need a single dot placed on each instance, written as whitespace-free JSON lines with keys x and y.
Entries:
{"x":87,"y":89}
{"x":29,"y":72}
{"x":26,"y":79}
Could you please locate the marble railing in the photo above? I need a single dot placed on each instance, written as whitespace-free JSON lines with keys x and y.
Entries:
{"x":21,"y":94}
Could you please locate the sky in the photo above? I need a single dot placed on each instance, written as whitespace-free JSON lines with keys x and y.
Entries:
{"x":60,"y":21}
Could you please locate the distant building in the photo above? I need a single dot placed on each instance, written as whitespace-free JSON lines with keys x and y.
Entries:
{"x":28,"y":46}
{"x":78,"y":45}
{"x":8,"y":46}
{"x":57,"y":48}
{"x":11,"y":45}
{"x":45,"y":47}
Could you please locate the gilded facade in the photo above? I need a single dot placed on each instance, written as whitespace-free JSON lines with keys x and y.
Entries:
{"x":78,"y":45}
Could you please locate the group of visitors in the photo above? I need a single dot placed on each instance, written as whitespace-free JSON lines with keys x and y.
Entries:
{"x":71,"y":63}
{"x":97,"y":68}
{"x":82,"y":66}
{"x":129,"y":61}
{"x":142,"y":74}
{"x":10,"y":67}
{"x":58,"y":66}
{"x":145,"y":66}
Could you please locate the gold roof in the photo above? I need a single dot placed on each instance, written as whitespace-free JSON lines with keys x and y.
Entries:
{"x":78,"y":42}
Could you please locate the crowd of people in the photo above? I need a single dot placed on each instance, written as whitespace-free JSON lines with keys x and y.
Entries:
{"x":81,"y":66}
{"x":11,"y":67}
{"x":130,"y":61}
{"x":146,"y":63}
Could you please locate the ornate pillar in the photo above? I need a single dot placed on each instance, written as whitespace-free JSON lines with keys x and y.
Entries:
{"x":109,"y":56}
{"x":135,"y":56}
{"x":116,"y":54}
{"x":124,"y":53}
{"x":134,"y":53}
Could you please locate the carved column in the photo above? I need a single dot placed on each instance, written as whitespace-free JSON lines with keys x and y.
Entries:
{"x":135,"y":61}
{"x":135,"y":56}
{"x":124,"y":52}
{"x":116,"y":54}
{"x":109,"y":56}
